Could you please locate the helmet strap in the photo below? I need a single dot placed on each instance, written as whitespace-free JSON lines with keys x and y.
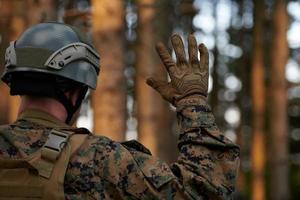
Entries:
{"x":68,"y":104}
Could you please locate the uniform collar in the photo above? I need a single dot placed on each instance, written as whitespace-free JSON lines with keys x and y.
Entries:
{"x":43,"y":118}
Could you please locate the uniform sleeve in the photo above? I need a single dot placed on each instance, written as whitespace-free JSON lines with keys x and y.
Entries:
{"x":208,"y":162}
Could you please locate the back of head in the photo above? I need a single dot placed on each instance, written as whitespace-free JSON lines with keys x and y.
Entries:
{"x":49,"y":59}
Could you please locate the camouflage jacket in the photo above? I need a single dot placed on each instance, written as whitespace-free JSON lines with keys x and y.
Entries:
{"x":104,"y":169}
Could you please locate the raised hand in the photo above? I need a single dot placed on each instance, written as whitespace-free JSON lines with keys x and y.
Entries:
{"x":189,"y":78}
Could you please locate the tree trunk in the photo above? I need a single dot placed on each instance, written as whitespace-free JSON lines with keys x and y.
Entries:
{"x":242,"y":73}
{"x":109,"y":100}
{"x":258,"y":105}
{"x":279,"y":163}
{"x":153,"y":113}
{"x":18,"y":25}
{"x":5,"y":19}
{"x":35,"y":12}
{"x":167,"y":143}
{"x":78,"y":17}
{"x":41,"y":11}
{"x":214,"y":100}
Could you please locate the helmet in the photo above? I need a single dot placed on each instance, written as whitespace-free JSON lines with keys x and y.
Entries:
{"x":49,"y":59}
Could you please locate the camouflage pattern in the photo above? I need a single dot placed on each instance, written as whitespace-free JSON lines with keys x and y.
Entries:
{"x":104,"y":169}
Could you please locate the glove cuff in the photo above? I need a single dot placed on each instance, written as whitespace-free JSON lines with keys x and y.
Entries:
{"x":191,"y":100}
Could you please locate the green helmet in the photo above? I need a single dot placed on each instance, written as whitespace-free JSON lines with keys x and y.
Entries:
{"x":53,"y":48}
{"x":48,"y":59}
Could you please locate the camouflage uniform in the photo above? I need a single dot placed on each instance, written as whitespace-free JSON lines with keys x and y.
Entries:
{"x":101,"y":168}
{"x":104,"y":169}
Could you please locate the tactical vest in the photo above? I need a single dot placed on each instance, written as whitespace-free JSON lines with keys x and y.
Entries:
{"x":40,"y":175}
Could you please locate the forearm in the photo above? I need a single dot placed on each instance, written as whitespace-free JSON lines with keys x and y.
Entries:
{"x":208,"y":161}
{"x":205,"y":169}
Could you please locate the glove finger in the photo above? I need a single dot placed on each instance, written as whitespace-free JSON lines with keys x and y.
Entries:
{"x":156,"y":84}
{"x":193,"y":51}
{"x":203,"y":58}
{"x":165,"y":57}
{"x":178,"y":46}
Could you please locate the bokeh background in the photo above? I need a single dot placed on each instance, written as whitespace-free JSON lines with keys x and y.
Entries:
{"x":254,"y":81}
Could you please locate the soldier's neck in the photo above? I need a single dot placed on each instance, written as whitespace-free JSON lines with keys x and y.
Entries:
{"x":45,"y":104}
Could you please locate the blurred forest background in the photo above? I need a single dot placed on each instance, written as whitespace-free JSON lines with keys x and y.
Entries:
{"x":254,"y":76}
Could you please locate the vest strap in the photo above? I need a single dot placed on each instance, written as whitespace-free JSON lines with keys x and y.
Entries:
{"x":51,"y":151}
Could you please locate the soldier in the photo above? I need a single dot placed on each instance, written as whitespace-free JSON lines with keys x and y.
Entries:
{"x":51,"y":66}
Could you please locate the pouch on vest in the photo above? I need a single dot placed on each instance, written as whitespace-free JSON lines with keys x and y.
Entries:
{"x":41,"y":175}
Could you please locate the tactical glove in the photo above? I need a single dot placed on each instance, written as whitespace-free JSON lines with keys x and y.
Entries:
{"x":189,"y":78}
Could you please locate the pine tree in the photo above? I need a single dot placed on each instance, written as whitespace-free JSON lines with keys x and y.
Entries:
{"x":109,"y":100}
{"x":152,"y":111}
{"x":279,"y":161}
{"x":258,"y":104}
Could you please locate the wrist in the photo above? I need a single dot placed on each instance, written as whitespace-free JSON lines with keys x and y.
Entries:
{"x":191,"y":100}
